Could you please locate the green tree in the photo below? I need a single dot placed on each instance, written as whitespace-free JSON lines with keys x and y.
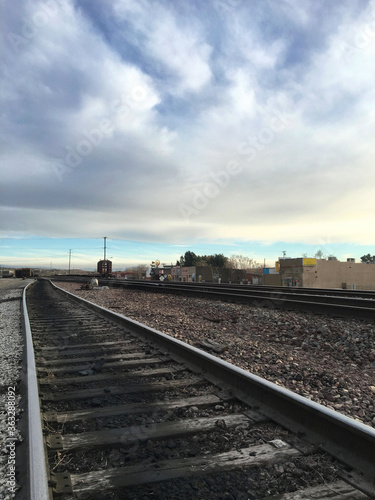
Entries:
{"x":366,"y":258}
{"x":202,"y":260}
{"x":189,"y":259}
{"x":218,"y":260}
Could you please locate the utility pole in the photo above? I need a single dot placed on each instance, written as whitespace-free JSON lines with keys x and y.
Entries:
{"x":70,"y":256}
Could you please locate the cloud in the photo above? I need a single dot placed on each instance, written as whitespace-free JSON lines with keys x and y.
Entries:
{"x":179,"y":48}
{"x":116,"y":115}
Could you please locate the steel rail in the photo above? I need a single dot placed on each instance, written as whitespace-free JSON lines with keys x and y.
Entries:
{"x":326,"y":292}
{"x":367,"y":294}
{"x":339,"y":292}
{"x":38,"y":478}
{"x":346,"y":439}
{"x":263,"y":294}
{"x":342,"y":307}
{"x":370,"y":294}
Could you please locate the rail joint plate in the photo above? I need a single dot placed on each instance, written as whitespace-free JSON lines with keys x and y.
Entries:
{"x":60,"y":483}
{"x":54,"y":442}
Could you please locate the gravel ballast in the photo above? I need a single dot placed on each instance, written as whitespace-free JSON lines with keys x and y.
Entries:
{"x":328,"y":360}
{"x":11,"y":352}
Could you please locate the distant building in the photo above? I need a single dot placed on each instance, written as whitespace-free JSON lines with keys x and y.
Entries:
{"x":319,"y":273}
{"x":176,"y":273}
{"x":212,"y":274}
{"x":25,"y":272}
{"x":254,"y":278}
{"x":8,"y":273}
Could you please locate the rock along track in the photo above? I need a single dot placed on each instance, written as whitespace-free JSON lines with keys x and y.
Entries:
{"x":125,"y":419}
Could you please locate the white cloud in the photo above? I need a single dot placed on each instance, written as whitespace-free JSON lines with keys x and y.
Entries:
{"x":179,"y":47}
{"x":183,"y":53}
{"x":225,"y":89}
{"x":242,"y":93}
{"x":297,"y":13}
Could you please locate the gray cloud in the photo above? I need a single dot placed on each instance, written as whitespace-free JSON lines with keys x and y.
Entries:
{"x":114,"y":121}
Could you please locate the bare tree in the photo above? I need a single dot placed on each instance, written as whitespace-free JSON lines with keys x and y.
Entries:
{"x":320,"y":255}
{"x":242,"y":262}
{"x":140,"y":271}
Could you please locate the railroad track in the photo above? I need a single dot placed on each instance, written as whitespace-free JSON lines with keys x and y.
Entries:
{"x":366,"y":294}
{"x":340,"y":303}
{"x":130,"y":413}
{"x":345,"y":306}
{"x":338,"y":292}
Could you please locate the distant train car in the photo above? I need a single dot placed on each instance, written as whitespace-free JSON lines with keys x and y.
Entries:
{"x":25,"y":272}
{"x":8,"y":274}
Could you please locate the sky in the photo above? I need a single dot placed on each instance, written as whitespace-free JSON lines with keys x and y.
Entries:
{"x":224,"y":126}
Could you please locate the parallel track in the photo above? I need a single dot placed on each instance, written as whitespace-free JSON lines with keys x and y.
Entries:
{"x":366,"y":294}
{"x":129,"y":412}
{"x":362,"y":307}
{"x":339,"y":292}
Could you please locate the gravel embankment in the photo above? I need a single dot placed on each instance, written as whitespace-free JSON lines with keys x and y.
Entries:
{"x":11,"y":351}
{"x":328,"y":360}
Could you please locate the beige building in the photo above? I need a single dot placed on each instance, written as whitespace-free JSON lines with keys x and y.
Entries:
{"x":317,"y":273}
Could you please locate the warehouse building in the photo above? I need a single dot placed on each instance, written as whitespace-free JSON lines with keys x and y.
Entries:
{"x":319,"y":273}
